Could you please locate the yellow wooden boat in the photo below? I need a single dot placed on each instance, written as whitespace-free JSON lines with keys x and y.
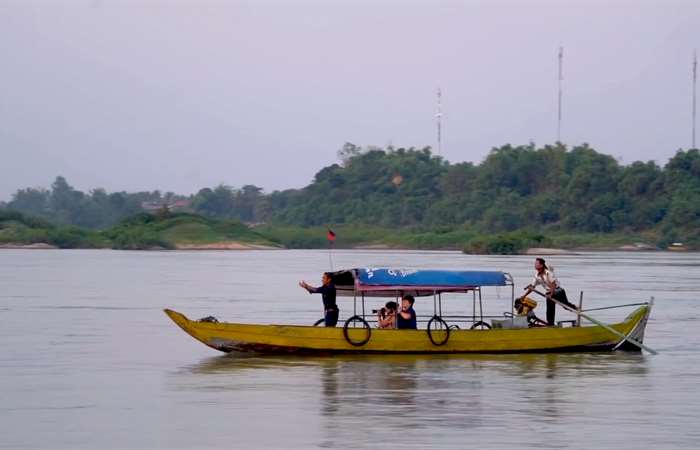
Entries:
{"x":441,"y":334}
{"x":228,"y":337}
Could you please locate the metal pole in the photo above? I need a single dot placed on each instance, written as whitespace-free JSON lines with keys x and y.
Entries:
{"x":481,"y":308}
{"x":354,"y":303}
{"x":363,"y":307}
{"x":580,"y":308}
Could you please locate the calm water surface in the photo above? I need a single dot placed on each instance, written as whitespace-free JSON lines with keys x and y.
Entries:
{"x":88,"y":359}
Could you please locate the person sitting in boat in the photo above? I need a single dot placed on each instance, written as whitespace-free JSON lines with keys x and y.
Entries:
{"x":386,"y":317}
{"x":544,"y":276}
{"x":327,"y":291}
{"x":406,"y":319}
{"x":526,"y":307}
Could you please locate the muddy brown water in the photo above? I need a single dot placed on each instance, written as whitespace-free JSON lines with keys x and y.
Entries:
{"x":89,"y":360}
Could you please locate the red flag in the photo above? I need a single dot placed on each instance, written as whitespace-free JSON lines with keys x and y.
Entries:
{"x":330,"y":235}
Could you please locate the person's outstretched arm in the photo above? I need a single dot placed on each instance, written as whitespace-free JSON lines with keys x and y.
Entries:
{"x":308,"y":287}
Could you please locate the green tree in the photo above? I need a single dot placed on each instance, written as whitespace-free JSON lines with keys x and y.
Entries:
{"x":217,"y":202}
{"x":31,"y":201}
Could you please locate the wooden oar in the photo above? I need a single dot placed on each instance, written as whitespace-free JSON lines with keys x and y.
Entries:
{"x":599,"y":323}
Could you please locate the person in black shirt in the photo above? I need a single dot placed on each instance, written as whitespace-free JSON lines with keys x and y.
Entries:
{"x":327,"y":291}
{"x":406,"y":319}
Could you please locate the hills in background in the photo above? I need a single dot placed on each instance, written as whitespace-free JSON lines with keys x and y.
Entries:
{"x":163,"y":231}
{"x":410,"y":197}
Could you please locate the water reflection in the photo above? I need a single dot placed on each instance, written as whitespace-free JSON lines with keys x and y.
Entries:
{"x":549,"y":364}
{"x":376,"y":395}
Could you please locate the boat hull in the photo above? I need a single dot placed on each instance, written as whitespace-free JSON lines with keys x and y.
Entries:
{"x":228,"y":337}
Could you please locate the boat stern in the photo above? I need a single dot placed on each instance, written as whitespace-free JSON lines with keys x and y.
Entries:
{"x":639,"y":317}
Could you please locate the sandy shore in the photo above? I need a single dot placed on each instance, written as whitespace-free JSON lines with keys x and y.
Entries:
{"x":372,"y":247}
{"x":235,"y":245}
{"x":548,"y":251}
{"x":230,"y":245}
{"x":37,"y":246}
{"x":639,"y":247}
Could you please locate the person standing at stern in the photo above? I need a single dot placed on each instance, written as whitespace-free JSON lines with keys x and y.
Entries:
{"x":327,"y":291}
{"x":544,"y":276}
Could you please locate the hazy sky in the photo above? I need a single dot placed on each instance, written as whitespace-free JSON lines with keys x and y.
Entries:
{"x":143,"y":95}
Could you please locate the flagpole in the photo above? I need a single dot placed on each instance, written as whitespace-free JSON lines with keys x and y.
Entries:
{"x":330,"y":235}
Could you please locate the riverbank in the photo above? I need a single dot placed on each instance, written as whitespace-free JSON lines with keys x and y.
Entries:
{"x":228,"y":245}
{"x":182,"y":231}
{"x":140,"y":232}
{"x":239,"y":246}
{"x":19,"y":246}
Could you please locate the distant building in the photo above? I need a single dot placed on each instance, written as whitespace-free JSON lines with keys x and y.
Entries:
{"x":176,"y":205}
{"x":179,"y":204}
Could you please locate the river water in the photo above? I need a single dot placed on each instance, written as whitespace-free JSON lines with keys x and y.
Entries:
{"x":89,"y":360}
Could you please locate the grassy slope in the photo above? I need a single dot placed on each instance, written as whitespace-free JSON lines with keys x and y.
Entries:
{"x":16,"y":228}
{"x":171,"y":230}
{"x":142,"y":231}
{"x":199,"y":230}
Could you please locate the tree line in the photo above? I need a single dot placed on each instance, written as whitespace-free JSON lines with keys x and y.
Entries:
{"x":551,"y":188}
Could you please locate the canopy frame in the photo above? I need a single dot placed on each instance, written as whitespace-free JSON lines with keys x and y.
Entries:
{"x":353,"y":282}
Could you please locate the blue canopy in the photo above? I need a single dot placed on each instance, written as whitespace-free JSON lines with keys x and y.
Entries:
{"x":420,"y":278}
{"x":387,"y":282}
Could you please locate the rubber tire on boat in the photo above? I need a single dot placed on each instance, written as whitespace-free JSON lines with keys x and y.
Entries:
{"x":430,"y":333}
{"x":319,"y":321}
{"x":484,"y":325}
{"x":365,"y":325}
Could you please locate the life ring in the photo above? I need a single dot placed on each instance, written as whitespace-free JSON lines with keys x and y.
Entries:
{"x":439,"y":320}
{"x":480,"y":325}
{"x":365,"y":325}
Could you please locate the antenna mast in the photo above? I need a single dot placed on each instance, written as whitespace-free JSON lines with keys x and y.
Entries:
{"x":438,"y":116}
{"x":695,"y":82}
{"x":561,"y":77}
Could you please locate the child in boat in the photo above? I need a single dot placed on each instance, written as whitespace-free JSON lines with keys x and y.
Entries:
{"x":386,"y":317}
